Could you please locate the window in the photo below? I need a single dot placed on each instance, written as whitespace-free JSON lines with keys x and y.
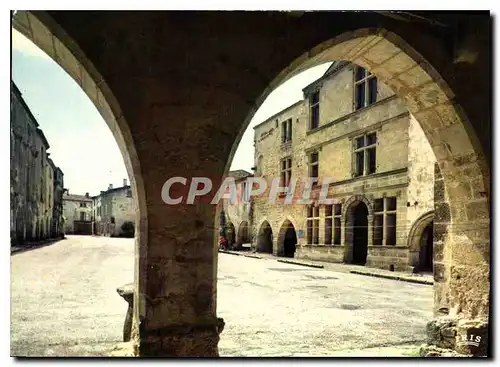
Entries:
{"x":286,"y":131}
{"x":314,"y":164}
{"x":82,"y":216}
{"x":312,"y":225}
{"x":384,"y":226}
{"x":112,"y":219}
{"x":83,"y":205}
{"x":129,"y":193}
{"x":286,"y":171}
{"x":314,"y":108}
{"x":244,"y":189}
{"x":365,"y":88}
{"x":333,"y":214}
{"x":365,"y":154}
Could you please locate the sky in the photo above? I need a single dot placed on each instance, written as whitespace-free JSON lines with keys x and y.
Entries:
{"x":81,"y":143}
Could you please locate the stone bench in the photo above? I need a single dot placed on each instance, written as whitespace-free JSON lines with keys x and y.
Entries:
{"x":127,"y":292}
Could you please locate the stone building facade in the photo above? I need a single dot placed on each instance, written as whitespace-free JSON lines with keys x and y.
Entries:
{"x":113,"y":212}
{"x":351,"y":128}
{"x":77,"y":212}
{"x":32,"y":173}
{"x":238,"y":213}
{"x":57,"y":217}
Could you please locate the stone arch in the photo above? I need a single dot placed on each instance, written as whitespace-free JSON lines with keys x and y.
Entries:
{"x":287,"y":239}
{"x":265,"y":238}
{"x":243,"y":233}
{"x":231,"y":234}
{"x":354,"y":200}
{"x":451,"y":135}
{"x":415,"y":235}
{"x":47,"y":35}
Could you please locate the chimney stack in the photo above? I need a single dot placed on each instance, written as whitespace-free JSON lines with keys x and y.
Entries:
{"x":124,"y":182}
{"x":87,"y":195}
{"x":110,"y":186}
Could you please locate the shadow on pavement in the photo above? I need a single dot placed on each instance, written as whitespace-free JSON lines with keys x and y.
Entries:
{"x":15,"y":250}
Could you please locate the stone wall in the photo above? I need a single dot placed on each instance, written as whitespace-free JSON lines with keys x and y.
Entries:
{"x":112,"y":208}
{"x":421,"y":161}
{"x":32,"y":176}
{"x":72,"y":211}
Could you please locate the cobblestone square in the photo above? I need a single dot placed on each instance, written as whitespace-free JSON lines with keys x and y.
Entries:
{"x":64,"y":303}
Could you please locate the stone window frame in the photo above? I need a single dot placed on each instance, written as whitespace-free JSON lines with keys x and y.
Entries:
{"x":286,"y":131}
{"x":312,"y":224}
{"x":365,"y":148}
{"x":311,"y":163}
{"x":313,"y":105}
{"x":331,"y":216}
{"x":384,"y":213}
{"x":286,"y":171}
{"x":365,"y":82}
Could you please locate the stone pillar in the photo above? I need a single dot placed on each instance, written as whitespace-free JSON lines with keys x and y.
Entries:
{"x":461,"y":268}
{"x":370,"y":231}
{"x":179,"y":299}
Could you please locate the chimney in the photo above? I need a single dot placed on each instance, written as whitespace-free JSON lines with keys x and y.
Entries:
{"x":110,"y":186}
{"x":124,"y":182}
{"x":87,"y":195}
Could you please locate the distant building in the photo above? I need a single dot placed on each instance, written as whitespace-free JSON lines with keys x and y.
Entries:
{"x":31,"y":176}
{"x":351,"y":128}
{"x":57,"y":217}
{"x":77,"y":211}
{"x":113,"y":212}
{"x":238,"y":221}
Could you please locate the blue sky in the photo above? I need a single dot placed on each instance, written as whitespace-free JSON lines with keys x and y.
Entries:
{"x":81,"y":143}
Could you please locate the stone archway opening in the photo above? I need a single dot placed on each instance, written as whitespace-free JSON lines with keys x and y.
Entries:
{"x":460,"y":156}
{"x":421,"y":240}
{"x":357,"y":233}
{"x":243,"y":237}
{"x":287,"y":240}
{"x":50,"y":38}
{"x":231,"y":235}
{"x":426,"y":249}
{"x":265,"y":238}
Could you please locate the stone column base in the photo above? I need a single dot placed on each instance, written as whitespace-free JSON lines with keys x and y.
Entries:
{"x":452,"y":337}
{"x":181,"y":341}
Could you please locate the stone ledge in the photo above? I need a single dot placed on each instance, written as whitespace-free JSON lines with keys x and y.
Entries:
{"x":230,"y":253}
{"x":300,"y":263}
{"x":394,"y":277}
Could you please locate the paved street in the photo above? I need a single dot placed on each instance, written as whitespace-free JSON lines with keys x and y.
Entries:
{"x":64,"y":302}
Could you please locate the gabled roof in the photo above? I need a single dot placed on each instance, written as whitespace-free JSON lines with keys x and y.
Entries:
{"x":278,"y":113}
{"x":334,"y":67}
{"x":103,"y":193}
{"x":76,"y":198}
{"x":239,"y":174}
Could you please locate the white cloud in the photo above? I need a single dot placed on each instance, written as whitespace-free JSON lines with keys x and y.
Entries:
{"x":26,"y":47}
